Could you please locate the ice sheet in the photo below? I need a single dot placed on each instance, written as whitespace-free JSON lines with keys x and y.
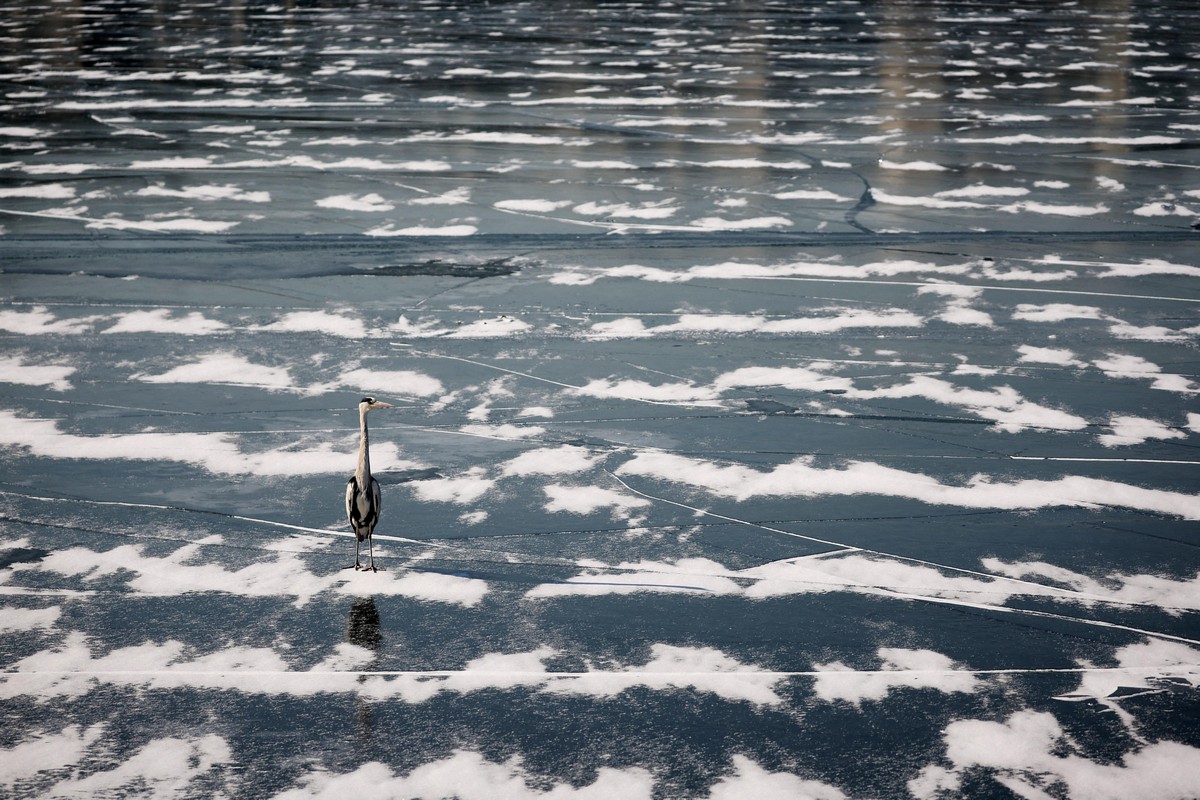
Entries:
{"x":790,"y":399}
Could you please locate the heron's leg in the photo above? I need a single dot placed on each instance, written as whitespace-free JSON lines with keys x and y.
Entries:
{"x":371,"y":547}
{"x":357,"y":543}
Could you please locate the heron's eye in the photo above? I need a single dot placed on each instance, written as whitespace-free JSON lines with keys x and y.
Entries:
{"x":368,"y":400}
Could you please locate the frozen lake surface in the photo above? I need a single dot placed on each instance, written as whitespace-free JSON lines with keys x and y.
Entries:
{"x":792,"y":400}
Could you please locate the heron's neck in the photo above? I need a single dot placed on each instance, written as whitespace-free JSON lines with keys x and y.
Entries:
{"x":364,"y":453}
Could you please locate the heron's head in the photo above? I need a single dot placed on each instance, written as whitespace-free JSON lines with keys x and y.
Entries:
{"x":370,"y":403}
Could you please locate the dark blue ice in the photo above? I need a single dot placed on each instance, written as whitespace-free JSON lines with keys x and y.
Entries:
{"x":791,"y":400}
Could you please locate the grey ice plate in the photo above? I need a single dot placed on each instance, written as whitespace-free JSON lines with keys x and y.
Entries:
{"x":793,"y":400}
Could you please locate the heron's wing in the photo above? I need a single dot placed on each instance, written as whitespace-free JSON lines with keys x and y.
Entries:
{"x":376,"y":498}
{"x":351,"y":490}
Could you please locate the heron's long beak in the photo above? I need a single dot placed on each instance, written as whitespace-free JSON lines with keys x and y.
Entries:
{"x":381,"y":404}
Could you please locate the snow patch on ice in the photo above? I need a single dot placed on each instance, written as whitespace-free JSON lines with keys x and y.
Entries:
{"x":453,"y":197}
{"x":216,"y":452}
{"x":43,"y":191}
{"x":811,"y":194}
{"x":603,"y":164}
{"x":46,"y":752}
{"x":161,"y":768}
{"x":687,"y":575}
{"x":1123,"y":365}
{"x":1147,"y":266}
{"x":958,"y":309}
{"x":1165,"y":209}
{"x":23,"y":132}
{"x":1060,"y":356}
{"x":588,"y":499}
{"x":403,"y":383}
{"x":1055,"y":312}
{"x":429,"y":587}
{"x":1167,"y":593}
{"x":735,"y":270}
{"x":463,"y":490}
{"x":504,"y":431}
{"x":170,"y":225}
{"x":1031,"y":138}
{"x":915,"y":166}
{"x":900,"y":668}
{"x":1127,"y":430}
{"x":317,"y":322}
{"x":696,"y":669}
{"x":750,"y":779}
{"x":467,"y":775}
{"x":693,"y":324}
{"x":1142,"y":665}
{"x":629,"y":389}
{"x":162,"y":320}
{"x":1053,"y":209}
{"x":938,"y":202}
{"x":423,"y":230}
{"x":794,"y":378}
{"x":1005,"y":406}
{"x":495,"y":327}
{"x":1030,"y":752}
{"x":14,"y":369}
{"x":800,"y":478}
{"x":532,"y":206}
{"x":224,"y":368}
{"x":661,"y":209}
{"x":206,"y":193}
{"x":38,"y":321}
{"x":27,"y":619}
{"x":756,"y":223}
{"x":563,"y":460}
{"x":984,"y":190}
{"x":348,"y":202}
{"x":287,"y":575}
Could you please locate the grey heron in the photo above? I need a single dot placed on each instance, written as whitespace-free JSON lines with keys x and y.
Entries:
{"x":362,"y":490}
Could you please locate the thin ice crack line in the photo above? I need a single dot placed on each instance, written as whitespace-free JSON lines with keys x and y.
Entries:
{"x":1043,"y":614}
{"x":847,"y":547}
{"x":988,"y":287}
{"x":1101,"y":460}
{"x":578,"y":389}
{"x":432,"y":543}
{"x":843,"y":547}
{"x":183,"y":509}
{"x":126,"y":223}
{"x":736,"y":520}
{"x":881,"y":591}
{"x":1075,"y":263}
{"x":833,"y":583}
{"x":465,"y":551}
{"x":1041,"y":588}
{"x":24,"y":591}
{"x":451,"y":673}
{"x":991,"y":456}
{"x":163,"y":411}
{"x":133,"y":304}
{"x":550,"y":381}
{"x":733,"y":415}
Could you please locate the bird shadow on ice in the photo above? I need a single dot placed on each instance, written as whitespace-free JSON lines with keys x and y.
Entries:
{"x":363,"y":630}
